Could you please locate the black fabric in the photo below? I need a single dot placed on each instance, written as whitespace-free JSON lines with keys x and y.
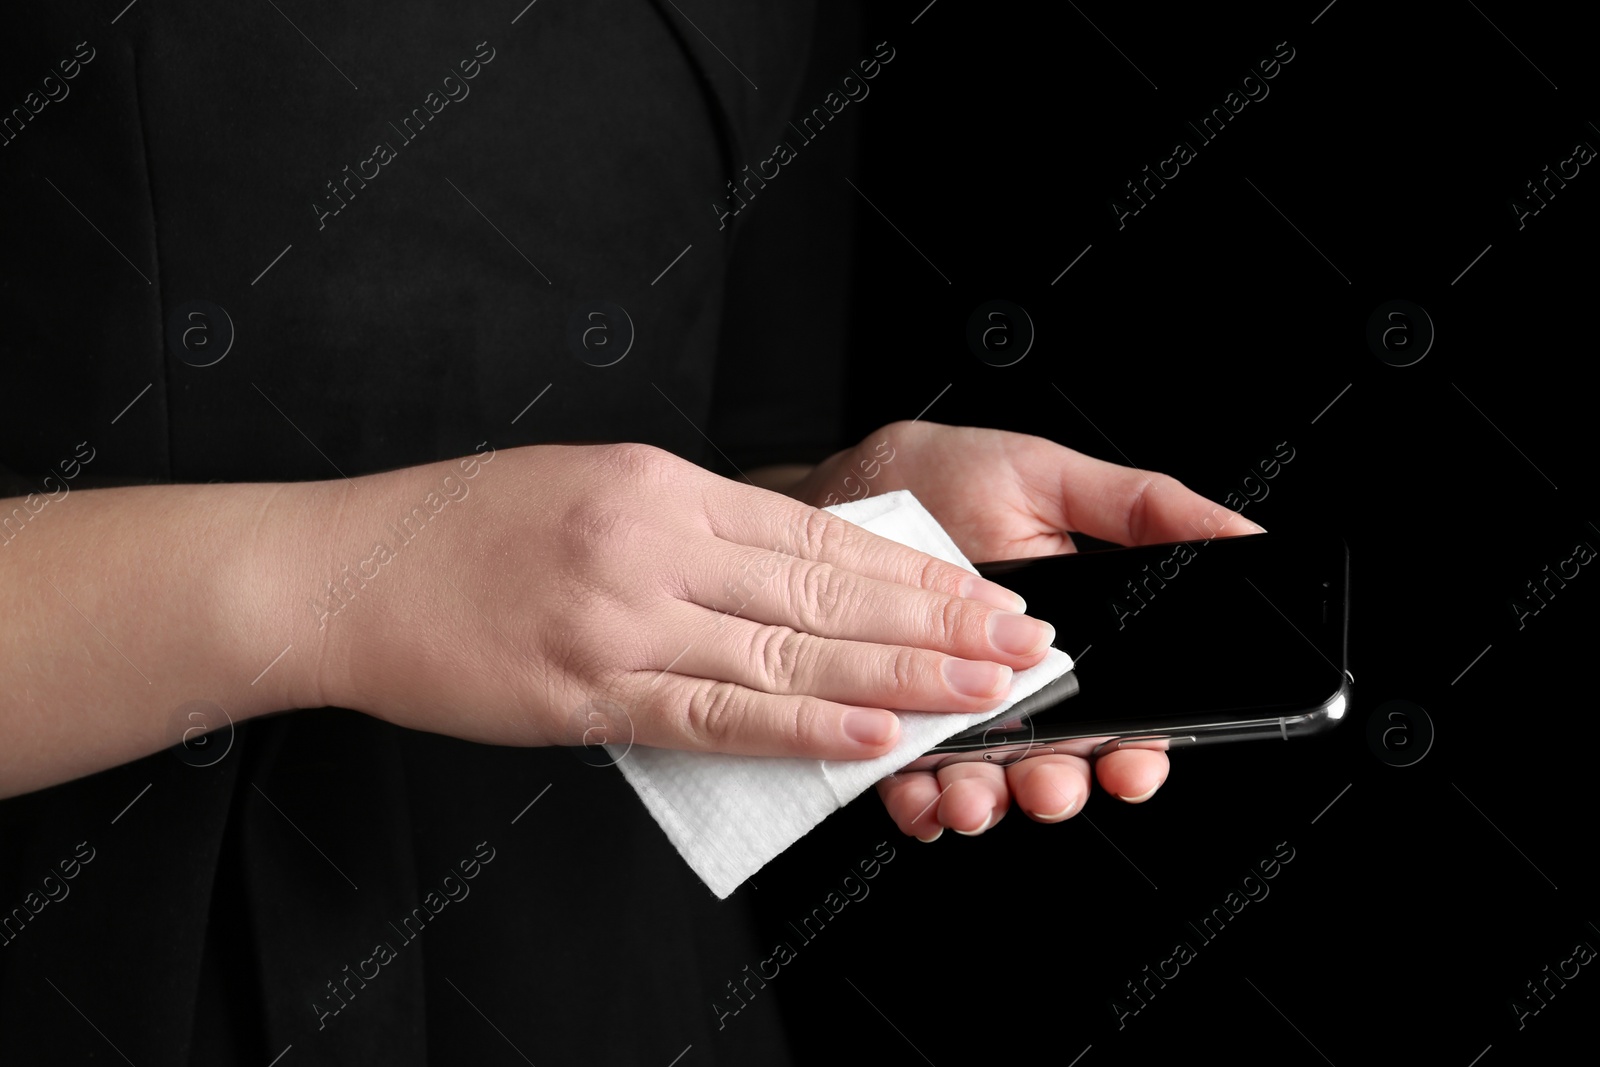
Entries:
{"x":225,"y":910}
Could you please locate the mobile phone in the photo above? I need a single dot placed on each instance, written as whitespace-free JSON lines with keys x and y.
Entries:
{"x":1177,"y":644}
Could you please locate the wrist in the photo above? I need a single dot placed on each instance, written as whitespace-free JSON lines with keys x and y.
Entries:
{"x":363,"y":570}
{"x":269,"y":582}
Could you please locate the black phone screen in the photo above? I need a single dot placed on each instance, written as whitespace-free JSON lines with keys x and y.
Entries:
{"x":1231,"y":627}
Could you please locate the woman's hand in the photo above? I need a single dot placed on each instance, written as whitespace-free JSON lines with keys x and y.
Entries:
{"x":1006,"y":496}
{"x":556,"y":586}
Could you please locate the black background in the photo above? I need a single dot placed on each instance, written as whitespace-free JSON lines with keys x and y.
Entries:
{"x":1195,"y":339}
{"x":1226,"y":317}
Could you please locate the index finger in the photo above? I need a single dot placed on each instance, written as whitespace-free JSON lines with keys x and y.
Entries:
{"x":1126,"y":505}
{"x":755,"y":517}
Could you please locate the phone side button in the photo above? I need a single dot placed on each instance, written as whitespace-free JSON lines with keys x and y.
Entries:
{"x":1006,"y":758}
{"x":1157,"y":742}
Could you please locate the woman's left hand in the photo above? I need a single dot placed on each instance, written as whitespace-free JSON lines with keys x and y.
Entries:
{"x":1004,"y":495}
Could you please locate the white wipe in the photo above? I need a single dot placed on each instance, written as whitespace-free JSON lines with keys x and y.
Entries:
{"x":731,"y":815}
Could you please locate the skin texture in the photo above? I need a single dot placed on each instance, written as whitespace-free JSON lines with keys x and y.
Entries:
{"x":1001,"y":496}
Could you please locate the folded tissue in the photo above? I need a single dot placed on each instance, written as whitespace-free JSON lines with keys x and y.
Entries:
{"x":731,"y":815}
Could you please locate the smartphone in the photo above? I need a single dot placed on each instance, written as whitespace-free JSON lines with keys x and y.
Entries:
{"x":1185,"y":643}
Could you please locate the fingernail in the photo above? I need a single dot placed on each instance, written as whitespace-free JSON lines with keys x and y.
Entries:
{"x":1141,"y":797}
{"x":977,"y":678}
{"x":1019,"y":635}
{"x":987,"y":820}
{"x":873,"y":728}
{"x":932,"y":837}
{"x":1056,"y":816}
{"x":993,"y":594}
{"x":1255,"y":527}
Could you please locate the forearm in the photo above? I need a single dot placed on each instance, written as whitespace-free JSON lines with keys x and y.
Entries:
{"x":120,"y":606}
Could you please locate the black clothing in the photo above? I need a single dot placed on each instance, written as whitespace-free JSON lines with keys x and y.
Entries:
{"x":388,"y":309}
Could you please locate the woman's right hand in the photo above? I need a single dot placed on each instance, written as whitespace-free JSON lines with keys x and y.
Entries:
{"x":559,"y":589}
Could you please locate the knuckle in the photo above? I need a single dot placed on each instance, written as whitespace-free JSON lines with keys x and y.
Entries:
{"x":780,"y":650}
{"x":595,"y":527}
{"x":906,"y":671}
{"x":634,"y":466}
{"x":637,"y":459}
{"x":951,"y":622}
{"x":1141,"y":502}
{"x":822,"y":589}
{"x":802,"y":724}
{"x":824,"y":534}
{"x":607,"y":520}
{"x":713,"y":713}
{"x":937,"y":574}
